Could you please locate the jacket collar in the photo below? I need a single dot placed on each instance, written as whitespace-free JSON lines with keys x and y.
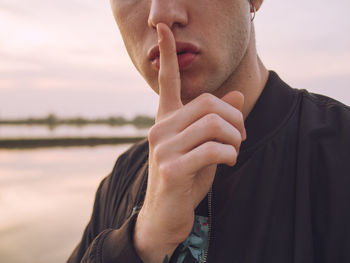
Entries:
{"x":270,"y":111}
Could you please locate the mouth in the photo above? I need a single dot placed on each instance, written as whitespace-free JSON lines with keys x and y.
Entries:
{"x":186,"y":53}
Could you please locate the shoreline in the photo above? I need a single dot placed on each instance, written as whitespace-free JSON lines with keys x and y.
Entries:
{"x":32,"y":143}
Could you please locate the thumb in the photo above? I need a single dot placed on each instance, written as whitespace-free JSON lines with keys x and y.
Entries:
{"x":236,"y":100}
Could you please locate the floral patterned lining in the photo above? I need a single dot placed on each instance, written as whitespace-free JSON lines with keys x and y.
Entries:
{"x":192,"y":250}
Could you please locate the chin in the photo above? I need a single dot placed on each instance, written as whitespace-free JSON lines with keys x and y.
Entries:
{"x":190,"y":93}
{"x":192,"y":88}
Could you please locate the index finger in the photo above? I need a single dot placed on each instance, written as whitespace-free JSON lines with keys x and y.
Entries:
{"x":169,"y":76}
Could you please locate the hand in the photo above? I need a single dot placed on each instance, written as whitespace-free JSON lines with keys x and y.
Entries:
{"x":186,"y":144}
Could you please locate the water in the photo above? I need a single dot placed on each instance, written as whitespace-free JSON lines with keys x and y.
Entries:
{"x":15,"y":131}
{"x":46,"y":198}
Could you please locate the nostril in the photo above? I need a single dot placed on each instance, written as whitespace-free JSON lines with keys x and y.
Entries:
{"x":170,"y":13}
{"x":151,"y":23}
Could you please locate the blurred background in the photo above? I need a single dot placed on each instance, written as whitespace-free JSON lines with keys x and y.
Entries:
{"x":65,"y":76}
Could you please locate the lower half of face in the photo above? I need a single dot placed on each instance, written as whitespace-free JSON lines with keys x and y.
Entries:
{"x":220,"y":29}
{"x":215,"y":69}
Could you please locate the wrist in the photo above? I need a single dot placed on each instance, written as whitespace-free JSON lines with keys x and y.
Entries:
{"x":149,"y":245}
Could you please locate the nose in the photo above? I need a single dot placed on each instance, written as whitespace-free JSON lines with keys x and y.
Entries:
{"x":170,"y":12}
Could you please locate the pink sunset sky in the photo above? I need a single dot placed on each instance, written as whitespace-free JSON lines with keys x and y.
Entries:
{"x":67,"y":57}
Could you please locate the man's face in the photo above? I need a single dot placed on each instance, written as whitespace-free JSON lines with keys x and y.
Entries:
{"x":213,"y":34}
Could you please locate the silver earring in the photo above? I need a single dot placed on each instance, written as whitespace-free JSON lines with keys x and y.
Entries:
{"x":253,"y":13}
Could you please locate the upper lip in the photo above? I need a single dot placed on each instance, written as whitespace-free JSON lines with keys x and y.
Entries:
{"x":181,"y":47}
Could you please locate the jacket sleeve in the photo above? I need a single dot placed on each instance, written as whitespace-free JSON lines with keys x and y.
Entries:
{"x":105,"y":245}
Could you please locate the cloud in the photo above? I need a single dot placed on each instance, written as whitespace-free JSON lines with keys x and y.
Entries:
{"x":19,"y":72}
{"x":304,"y":25}
{"x":48,"y":47}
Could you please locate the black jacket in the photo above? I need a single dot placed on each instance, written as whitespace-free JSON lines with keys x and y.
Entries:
{"x":287,"y":200}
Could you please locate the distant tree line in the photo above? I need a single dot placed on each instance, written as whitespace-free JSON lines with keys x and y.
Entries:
{"x":51,"y":120}
{"x":29,"y":143}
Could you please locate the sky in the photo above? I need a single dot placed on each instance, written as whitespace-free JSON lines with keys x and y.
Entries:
{"x":67,"y":57}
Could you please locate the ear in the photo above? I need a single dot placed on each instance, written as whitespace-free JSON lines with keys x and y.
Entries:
{"x":256,"y":3}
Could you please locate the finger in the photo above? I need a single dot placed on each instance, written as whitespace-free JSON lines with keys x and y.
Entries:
{"x":205,"y":155}
{"x":209,"y":128}
{"x":236,"y":99}
{"x":169,"y":76}
{"x":198,"y":108}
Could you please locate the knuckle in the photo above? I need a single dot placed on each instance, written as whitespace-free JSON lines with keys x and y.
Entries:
{"x":205,"y":96}
{"x":212,"y":151}
{"x":167,"y":171}
{"x":240,"y":117}
{"x":241,"y":120}
{"x":158,"y":153}
{"x":209,"y":101}
{"x":238,"y":138}
{"x":234,"y":157}
{"x":237,"y":146}
{"x":213,"y":121}
{"x":153,"y":134}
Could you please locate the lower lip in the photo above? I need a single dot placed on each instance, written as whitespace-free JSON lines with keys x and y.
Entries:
{"x":185,"y":60}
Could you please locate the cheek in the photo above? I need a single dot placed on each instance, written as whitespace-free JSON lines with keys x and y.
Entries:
{"x":138,"y":37}
{"x":231,"y":35}
{"x":226,"y":41}
{"x":132,"y":18}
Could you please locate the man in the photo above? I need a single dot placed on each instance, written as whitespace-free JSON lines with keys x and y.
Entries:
{"x":239,"y":167}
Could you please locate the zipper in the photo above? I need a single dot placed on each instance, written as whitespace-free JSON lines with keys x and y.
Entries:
{"x":210,"y":220}
{"x":143,"y":172}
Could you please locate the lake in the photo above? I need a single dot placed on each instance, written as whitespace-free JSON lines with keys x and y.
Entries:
{"x":46,"y":195}
{"x":42,"y":131}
